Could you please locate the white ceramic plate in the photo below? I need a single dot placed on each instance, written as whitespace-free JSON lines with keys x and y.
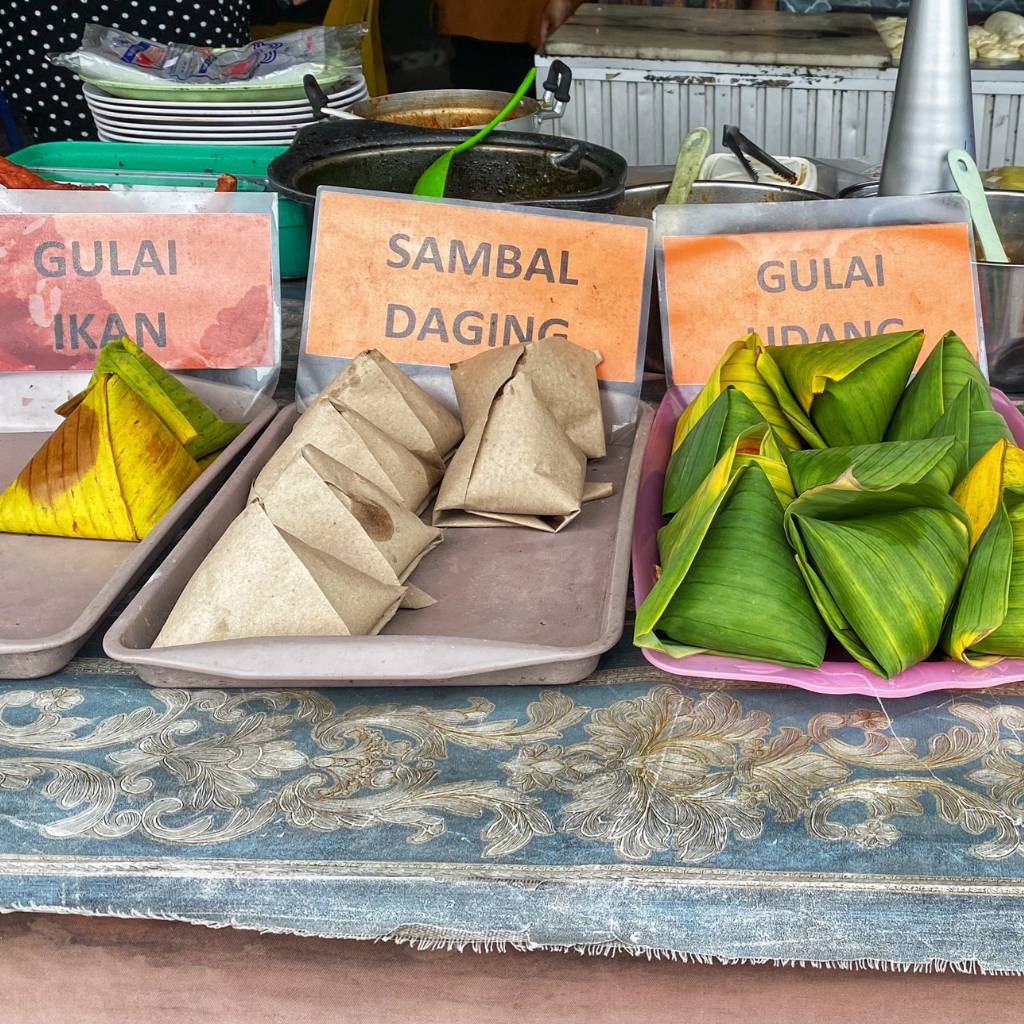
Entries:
{"x":100,"y":98}
{"x":212,"y":118}
{"x":227,"y":112}
{"x":271,"y":119}
{"x":172,"y":134}
{"x":108,"y":135}
{"x":241,"y":124}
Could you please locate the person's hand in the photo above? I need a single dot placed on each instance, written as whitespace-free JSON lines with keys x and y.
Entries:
{"x":556,"y":13}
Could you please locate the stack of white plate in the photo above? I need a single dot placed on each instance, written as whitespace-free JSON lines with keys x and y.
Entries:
{"x":248,"y":122}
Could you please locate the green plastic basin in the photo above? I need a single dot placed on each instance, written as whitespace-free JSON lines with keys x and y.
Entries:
{"x":165,"y":164}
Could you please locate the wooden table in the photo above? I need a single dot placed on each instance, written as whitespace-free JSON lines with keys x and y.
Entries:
{"x":58,"y":970}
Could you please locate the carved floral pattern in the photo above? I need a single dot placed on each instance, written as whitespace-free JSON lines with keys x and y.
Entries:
{"x":668,"y":772}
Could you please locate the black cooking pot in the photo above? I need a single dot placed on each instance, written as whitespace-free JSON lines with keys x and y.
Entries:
{"x":507,"y":167}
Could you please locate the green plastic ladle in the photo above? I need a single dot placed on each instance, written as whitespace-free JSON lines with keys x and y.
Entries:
{"x":433,"y":180}
{"x":968,"y":181}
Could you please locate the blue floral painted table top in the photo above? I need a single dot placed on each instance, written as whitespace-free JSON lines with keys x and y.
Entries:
{"x":631,"y":812}
{"x":634,"y":812}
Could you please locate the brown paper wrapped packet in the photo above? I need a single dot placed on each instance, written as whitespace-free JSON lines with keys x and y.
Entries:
{"x":331,"y":507}
{"x":393,"y":402}
{"x":355,"y":442}
{"x":516,"y":467}
{"x":260,"y":581}
{"x":564,"y":377}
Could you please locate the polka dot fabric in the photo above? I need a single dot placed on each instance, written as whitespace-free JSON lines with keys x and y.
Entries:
{"x":49,"y":99}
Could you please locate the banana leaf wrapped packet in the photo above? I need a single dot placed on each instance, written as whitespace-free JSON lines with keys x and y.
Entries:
{"x":731,"y":420}
{"x":199,"y":429}
{"x":728,"y":417}
{"x":838,"y":393}
{"x":108,"y":472}
{"x":883,"y":564}
{"x":933,"y":460}
{"x":988,"y":621}
{"x":949,"y":396}
{"x":729,"y":584}
{"x":738,"y":370}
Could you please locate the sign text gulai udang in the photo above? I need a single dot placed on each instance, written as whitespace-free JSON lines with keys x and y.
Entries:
{"x":806,"y":286}
{"x":807,"y":275}
{"x":433,"y":283}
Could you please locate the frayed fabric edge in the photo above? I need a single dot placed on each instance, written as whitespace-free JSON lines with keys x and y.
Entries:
{"x":421,"y":939}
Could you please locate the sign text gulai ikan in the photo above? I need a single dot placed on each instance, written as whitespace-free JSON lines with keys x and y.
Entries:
{"x":500,"y":261}
{"x":81,"y":329}
{"x":194,"y":288}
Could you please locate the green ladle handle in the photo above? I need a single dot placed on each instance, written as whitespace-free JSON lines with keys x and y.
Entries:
{"x":500,"y":116}
{"x":968,"y":181}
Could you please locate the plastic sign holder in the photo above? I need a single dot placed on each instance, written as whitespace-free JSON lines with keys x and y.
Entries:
{"x":432,"y":282}
{"x":798,"y":273}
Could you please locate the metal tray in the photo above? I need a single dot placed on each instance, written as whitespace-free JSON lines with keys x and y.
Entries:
{"x":57,"y":589}
{"x":513,"y":605}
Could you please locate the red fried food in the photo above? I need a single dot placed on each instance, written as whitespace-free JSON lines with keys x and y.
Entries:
{"x":13,"y":175}
{"x":226,"y":183}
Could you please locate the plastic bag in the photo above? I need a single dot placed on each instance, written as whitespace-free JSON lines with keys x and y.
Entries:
{"x":108,"y":54}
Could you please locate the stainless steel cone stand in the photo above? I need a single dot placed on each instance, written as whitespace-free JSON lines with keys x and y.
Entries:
{"x":933,"y":110}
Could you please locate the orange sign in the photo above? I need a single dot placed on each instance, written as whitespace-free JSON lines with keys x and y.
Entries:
{"x":194,"y":291}
{"x":798,"y":287}
{"x":433,"y":283}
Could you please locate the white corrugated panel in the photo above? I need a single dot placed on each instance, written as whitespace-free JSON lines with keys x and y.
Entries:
{"x":643,"y":109}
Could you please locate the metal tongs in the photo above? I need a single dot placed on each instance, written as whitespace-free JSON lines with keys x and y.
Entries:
{"x":738,"y":144}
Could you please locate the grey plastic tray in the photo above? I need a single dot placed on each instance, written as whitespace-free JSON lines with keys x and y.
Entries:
{"x":55,"y":590}
{"x":513,"y":605}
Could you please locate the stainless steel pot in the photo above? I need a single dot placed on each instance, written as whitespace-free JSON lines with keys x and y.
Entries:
{"x":459,"y":108}
{"x":1001,"y":289}
{"x":456,"y":108}
{"x":648,"y":187}
{"x":641,"y":199}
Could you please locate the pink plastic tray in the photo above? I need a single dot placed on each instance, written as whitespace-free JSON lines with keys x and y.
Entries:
{"x":838,"y":676}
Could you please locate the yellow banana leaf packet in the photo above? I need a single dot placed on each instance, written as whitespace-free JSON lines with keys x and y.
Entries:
{"x":108,"y":472}
{"x":729,"y":584}
{"x":199,"y":429}
{"x":988,"y":622}
{"x":738,"y":369}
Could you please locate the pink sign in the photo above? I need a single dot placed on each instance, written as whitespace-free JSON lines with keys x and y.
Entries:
{"x":194,"y":291}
